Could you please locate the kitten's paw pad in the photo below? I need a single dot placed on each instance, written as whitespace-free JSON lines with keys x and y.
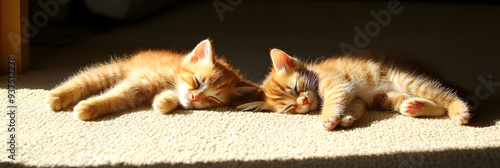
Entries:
{"x":411,"y":107}
{"x":347,"y":120}
{"x":330,"y":124}
{"x":84,"y":111}
{"x":164,"y":105}
{"x":56,"y":102}
{"x":462,"y":118}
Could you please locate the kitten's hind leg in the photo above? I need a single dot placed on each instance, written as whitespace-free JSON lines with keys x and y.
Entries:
{"x":424,"y":87}
{"x":126,"y":95}
{"x":353,"y":112}
{"x":411,"y":106}
{"x":421,"y":107}
{"x":83,"y":85}
{"x":165,"y":102}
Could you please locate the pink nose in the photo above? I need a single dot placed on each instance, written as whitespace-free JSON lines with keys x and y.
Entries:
{"x":195,"y":97}
{"x":305,"y":101}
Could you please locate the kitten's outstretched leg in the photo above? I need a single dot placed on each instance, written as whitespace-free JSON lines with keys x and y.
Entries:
{"x":421,"y":107}
{"x":126,"y":95}
{"x":353,"y":112}
{"x":165,"y":102}
{"x":423,"y":87}
{"x":83,"y":85}
{"x":336,"y":97}
{"x":411,"y":106}
{"x":459,"y":112}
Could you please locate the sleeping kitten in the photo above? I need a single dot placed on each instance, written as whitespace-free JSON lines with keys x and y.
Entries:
{"x":349,"y":84}
{"x":195,"y":80}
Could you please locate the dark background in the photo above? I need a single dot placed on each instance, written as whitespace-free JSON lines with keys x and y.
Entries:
{"x":458,"y":39}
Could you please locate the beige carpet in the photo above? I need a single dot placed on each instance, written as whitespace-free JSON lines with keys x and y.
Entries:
{"x":227,"y":138}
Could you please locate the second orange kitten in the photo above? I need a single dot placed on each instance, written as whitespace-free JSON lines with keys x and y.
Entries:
{"x":349,"y":84}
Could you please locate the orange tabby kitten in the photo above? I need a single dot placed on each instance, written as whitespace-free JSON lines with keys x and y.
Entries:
{"x":196,"y":80}
{"x":349,"y":84}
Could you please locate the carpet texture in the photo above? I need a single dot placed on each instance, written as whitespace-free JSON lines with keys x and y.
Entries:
{"x":224,"y":137}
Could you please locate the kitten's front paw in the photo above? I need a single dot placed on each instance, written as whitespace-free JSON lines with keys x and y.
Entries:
{"x":164,"y":106}
{"x":56,"y":101}
{"x":165,"y":103}
{"x":329,"y":123}
{"x":459,"y":112}
{"x":462,"y":118}
{"x":348,"y":120}
{"x":85,"y":111}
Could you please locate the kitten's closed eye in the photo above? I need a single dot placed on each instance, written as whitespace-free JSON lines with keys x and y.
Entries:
{"x":310,"y":80}
{"x":197,"y":83}
{"x":214,"y":99}
{"x":289,"y":109}
{"x":296,"y":90}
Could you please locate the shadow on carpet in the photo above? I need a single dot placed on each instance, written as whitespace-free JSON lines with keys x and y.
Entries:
{"x":488,"y":157}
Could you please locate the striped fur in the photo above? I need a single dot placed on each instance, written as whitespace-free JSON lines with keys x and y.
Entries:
{"x":348,"y":84}
{"x":166,"y":79}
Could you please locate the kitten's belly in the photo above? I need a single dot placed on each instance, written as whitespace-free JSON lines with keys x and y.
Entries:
{"x":372,"y":94}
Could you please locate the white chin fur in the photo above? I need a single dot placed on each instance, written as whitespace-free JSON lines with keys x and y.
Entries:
{"x":185,"y":103}
{"x":188,"y":106}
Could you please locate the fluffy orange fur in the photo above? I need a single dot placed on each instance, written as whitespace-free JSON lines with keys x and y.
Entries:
{"x":195,"y":80}
{"x":348,"y":84}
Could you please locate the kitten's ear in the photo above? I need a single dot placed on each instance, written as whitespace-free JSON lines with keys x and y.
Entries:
{"x":202,"y":53}
{"x":255,"y":106}
{"x":282,"y":62}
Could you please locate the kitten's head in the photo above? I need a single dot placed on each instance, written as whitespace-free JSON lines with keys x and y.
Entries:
{"x":289,"y":88}
{"x":208,"y":81}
